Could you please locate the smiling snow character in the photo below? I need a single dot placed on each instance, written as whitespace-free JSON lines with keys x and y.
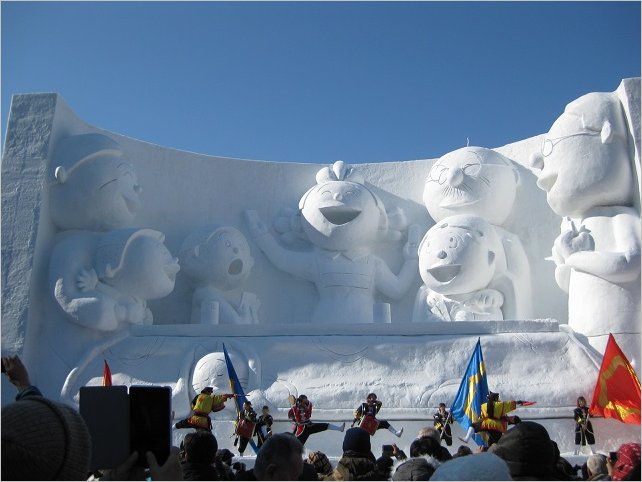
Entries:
{"x":458,"y":262}
{"x":343,"y":219}
{"x":93,"y":186}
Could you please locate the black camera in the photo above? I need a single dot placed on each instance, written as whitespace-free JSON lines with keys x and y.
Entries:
{"x":612,"y":456}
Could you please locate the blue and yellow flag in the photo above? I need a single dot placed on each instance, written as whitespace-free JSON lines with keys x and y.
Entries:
{"x":237,"y":389}
{"x":473,"y":391}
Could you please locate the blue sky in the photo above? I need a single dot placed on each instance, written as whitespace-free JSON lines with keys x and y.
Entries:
{"x":319,"y":81}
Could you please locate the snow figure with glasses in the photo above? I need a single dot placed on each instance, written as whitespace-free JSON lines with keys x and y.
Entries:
{"x":483,"y":183}
{"x":586,"y":167}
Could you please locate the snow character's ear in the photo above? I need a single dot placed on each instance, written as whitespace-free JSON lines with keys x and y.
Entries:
{"x":606,"y":134}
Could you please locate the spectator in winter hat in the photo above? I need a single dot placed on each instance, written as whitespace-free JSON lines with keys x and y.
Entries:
{"x":425,"y":453}
{"x":357,"y":461}
{"x":415,"y":468}
{"x":200,"y":454}
{"x":528,"y":452}
{"x":627,"y":465}
{"x":41,"y":439}
{"x":44,"y":440}
{"x":482,"y":466}
{"x":429,"y":446}
{"x":280,"y":458}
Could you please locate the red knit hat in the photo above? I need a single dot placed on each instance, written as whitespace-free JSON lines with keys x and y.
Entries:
{"x":628,"y":458}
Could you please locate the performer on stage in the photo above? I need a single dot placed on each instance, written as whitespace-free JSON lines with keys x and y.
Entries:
{"x":366,"y":416}
{"x":583,"y":428}
{"x":300,"y":415}
{"x":245,"y":426}
{"x":442,"y":421}
{"x":263,"y":428}
{"x":494,"y":420}
{"x":202,"y":405}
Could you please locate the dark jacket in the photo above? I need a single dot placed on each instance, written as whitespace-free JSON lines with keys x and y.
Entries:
{"x":199,"y":471}
{"x":356,"y":466}
{"x":417,"y":468}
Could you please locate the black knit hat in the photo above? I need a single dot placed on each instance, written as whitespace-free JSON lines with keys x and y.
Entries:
{"x":357,"y":440}
{"x":528,"y":450}
{"x":43,"y":439}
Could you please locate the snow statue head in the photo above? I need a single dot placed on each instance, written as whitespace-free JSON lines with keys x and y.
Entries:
{"x":340,"y":212}
{"x":136,"y":263}
{"x":586,"y":158}
{"x":218,"y":256}
{"x":211,"y":371}
{"x":471,"y":180}
{"x":459,"y":259}
{"x":93,"y":187}
{"x":459,"y":255}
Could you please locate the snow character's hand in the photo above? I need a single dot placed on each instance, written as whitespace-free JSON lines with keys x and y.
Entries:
{"x":87,"y":280}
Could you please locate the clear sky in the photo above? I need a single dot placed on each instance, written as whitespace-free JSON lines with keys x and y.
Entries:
{"x":319,"y":81}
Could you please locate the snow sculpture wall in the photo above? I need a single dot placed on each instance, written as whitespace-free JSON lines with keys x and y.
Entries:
{"x":77,"y":202}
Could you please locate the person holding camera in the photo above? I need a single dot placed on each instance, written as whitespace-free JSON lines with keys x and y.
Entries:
{"x":583,"y":428}
{"x":366,"y":416}
{"x":202,"y":405}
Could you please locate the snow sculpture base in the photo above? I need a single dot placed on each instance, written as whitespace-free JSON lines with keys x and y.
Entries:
{"x":411,"y":367}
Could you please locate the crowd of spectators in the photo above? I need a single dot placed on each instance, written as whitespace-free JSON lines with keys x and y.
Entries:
{"x":47,"y":440}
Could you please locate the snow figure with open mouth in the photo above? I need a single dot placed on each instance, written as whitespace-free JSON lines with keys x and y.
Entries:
{"x":460,"y":259}
{"x":343,"y":219}
{"x":482,"y":182}
{"x":218,"y":261}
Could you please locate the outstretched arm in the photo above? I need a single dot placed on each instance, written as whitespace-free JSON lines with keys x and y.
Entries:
{"x":396,"y":286}
{"x":293,"y":262}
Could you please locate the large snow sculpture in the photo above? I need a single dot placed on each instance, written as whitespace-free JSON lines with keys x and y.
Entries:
{"x":217,"y":259}
{"x":103,"y":280}
{"x":93,"y":186}
{"x":343,"y":219}
{"x":586,"y":169}
{"x":460,"y":262}
{"x":482,"y":182}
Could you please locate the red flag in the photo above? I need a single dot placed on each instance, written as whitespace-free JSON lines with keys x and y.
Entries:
{"x":106,"y":375}
{"x":617,"y":390}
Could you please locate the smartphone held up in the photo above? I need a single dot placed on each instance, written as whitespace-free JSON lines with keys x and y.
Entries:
{"x":121,"y":422}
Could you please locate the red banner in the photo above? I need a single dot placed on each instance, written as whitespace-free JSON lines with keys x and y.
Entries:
{"x":106,"y":375}
{"x":617,"y":390}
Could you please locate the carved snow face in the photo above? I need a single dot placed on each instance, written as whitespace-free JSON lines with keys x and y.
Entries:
{"x":211,"y":371}
{"x":340,"y":215}
{"x":584,"y":158}
{"x":457,"y":255}
{"x":98,"y":195}
{"x":226,"y":259}
{"x":148,"y":269}
{"x":471,"y":180}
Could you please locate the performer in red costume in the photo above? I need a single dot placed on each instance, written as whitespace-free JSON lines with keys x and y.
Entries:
{"x":300,"y":414}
